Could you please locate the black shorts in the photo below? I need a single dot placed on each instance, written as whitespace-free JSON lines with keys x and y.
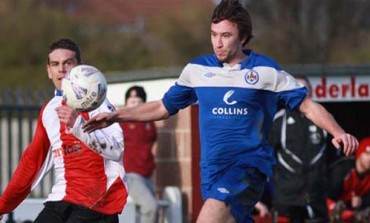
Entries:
{"x":64,"y":212}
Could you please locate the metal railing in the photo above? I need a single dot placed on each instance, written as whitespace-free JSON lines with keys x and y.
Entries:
{"x":18,"y":117}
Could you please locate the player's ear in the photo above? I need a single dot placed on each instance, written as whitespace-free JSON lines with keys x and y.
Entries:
{"x":244,"y":40}
{"x":49,"y":71}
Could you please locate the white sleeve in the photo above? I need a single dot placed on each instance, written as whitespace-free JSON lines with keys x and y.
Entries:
{"x":108,"y":142}
{"x":286,"y":82}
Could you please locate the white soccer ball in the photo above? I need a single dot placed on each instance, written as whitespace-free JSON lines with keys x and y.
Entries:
{"x":84,"y":88}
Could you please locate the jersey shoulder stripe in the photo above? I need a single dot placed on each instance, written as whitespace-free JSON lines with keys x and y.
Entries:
{"x":259,"y":60}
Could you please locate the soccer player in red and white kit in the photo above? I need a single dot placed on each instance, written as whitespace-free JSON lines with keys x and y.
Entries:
{"x":89,"y":175}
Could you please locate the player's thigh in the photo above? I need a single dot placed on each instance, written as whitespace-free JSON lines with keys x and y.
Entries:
{"x":140,"y":192}
{"x":215,"y":211}
{"x":239,"y":188}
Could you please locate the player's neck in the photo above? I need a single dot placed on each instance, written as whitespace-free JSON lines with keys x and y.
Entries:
{"x":241,"y":56}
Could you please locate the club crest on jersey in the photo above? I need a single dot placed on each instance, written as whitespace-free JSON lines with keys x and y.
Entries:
{"x":251,"y":77}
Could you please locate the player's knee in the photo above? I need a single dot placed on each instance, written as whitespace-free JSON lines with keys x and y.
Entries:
{"x":151,"y":206}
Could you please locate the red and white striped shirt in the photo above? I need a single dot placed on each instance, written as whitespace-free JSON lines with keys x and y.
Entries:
{"x":92,"y":177}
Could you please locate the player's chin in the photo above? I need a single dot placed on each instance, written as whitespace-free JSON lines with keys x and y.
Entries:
{"x":221,"y":58}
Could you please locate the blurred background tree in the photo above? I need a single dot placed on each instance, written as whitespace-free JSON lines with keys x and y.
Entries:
{"x":291,"y":31}
{"x":313,"y":31}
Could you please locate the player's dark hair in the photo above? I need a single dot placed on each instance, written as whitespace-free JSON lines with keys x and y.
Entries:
{"x":68,"y":45}
{"x":140,"y":92}
{"x":234,"y":11}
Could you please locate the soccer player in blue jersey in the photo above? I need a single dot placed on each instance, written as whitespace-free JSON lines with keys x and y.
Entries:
{"x":238,"y":92}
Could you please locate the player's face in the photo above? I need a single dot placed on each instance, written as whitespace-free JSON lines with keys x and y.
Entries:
{"x":226,"y":43}
{"x":365,"y":160}
{"x":133,"y":101}
{"x":61,"y":62}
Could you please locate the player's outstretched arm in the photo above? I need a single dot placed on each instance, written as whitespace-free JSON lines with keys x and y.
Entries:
{"x":150,"y":111}
{"x":322,"y":118}
{"x":99,"y":121}
{"x":107,"y":142}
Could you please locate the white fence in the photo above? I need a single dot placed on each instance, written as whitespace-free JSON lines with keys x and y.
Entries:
{"x":17,"y":126}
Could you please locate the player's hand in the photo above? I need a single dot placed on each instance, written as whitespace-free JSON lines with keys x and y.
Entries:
{"x":67,"y":115}
{"x":99,"y":121}
{"x":262,"y":209}
{"x":356,"y":201}
{"x":348,"y":142}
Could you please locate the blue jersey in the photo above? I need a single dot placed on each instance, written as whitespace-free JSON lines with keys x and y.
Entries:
{"x":237,"y":105}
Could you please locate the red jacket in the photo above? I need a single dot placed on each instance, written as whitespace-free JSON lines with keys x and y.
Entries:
{"x":353,"y":182}
{"x":139,"y":138}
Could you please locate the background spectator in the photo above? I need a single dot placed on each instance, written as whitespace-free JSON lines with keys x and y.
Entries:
{"x":349,"y":183}
{"x":298,"y":178}
{"x":138,"y":159}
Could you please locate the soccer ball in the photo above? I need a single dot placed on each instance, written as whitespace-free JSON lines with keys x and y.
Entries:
{"x":84,"y":88}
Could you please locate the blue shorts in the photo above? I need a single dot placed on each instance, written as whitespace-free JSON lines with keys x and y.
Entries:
{"x":240,"y":188}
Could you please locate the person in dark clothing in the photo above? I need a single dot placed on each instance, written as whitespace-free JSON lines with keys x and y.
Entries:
{"x":298,"y":178}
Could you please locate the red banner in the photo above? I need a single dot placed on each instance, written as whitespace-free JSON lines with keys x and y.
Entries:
{"x":341,"y":88}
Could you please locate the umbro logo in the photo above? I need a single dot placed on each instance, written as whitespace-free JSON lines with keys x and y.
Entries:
{"x":223,"y":190}
{"x":209,"y":74}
